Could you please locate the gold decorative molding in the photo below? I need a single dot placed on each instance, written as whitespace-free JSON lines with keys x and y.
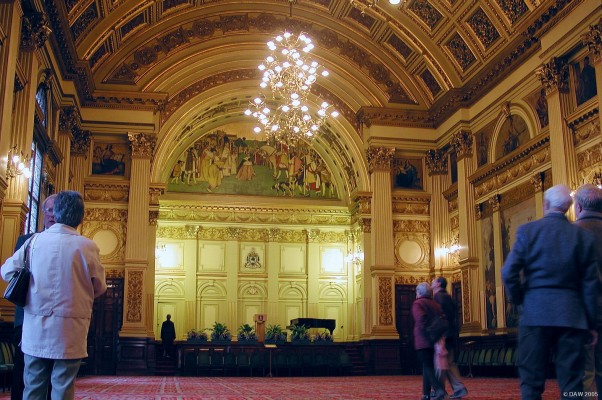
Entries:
{"x":106,"y":214}
{"x":118,"y":229}
{"x":452,"y":205}
{"x":385,"y":293}
{"x":494,"y":202}
{"x":153,"y":217}
{"x":462,"y":143}
{"x":478,"y":211}
{"x":365,"y":225}
{"x":379,"y":158}
{"x":255,"y":215}
{"x":466,"y":295}
{"x":593,"y":40}
{"x":454,"y":223}
{"x":554,"y":75}
{"x":69,"y":119}
{"x":410,"y":279}
{"x":587,"y":132}
{"x":411,"y":205}
{"x":364,"y":201}
{"x":411,"y":226}
{"x":589,"y":157}
{"x":142,"y":144}
{"x":457,"y":277}
{"x":109,"y":192}
{"x":35,"y":30}
{"x":436,"y":162}
{"x":537,"y":182}
{"x":114,"y":273}
{"x":135,"y":280}
{"x":423,"y":242}
{"x":80,"y":144}
{"x":155,"y":191}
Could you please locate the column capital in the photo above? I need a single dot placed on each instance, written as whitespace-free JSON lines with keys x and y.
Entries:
{"x":379,"y":158}
{"x":593,"y":40}
{"x":554,"y":75}
{"x":35,"y":31}
{"x":436,"y":162}
{"x":80,"y":145}
{"x":478,"y":211}
{"x":142,"y":144}
{"x":494,"y":201}
{"x":537,"y":182}
{"x":462,"y":143}
{"x":69,"y":119}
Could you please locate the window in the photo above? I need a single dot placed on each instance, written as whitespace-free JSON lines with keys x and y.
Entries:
{"x":35,"y":189}
{"x":42,"y":102}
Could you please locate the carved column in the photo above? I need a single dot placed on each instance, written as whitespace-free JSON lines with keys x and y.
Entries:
{"x":69,"y":121}
{"x":155,"y":192}
{"x":366,"y":308}
{"x":436,"y":163}
{"x":382,"y":247}
{"x":554,"y":77}
{"x":494,"y":203}
{"x":139,"y":289}
{"x":462,"y":141}
{"x":593,"y":40}
{"x":80,"y":147}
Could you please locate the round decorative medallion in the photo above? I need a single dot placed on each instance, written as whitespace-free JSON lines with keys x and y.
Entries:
{"x":410,"y":252}
{"x":107,"y":241}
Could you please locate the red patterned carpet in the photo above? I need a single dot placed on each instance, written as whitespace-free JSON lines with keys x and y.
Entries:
{"x":339,"y":388}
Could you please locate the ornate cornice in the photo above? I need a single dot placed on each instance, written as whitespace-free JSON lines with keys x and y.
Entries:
{"x":436,"y":162}
{"x":369,"y":116}
{"x":105,"y":214}
{"x":256,"y":215}
{"x":108,"y":192}
{"x":462,"y":143}
{"x":35,"y":30}
{"x":451,"y":192}
{"x":415,"y":226}
{"x":80,"y":144}
{"x":593,"y":40}
{"x":142,"y":144}
{"x":379,"y":158}
{"x":554,"y":75}
{"x":411,"y":205}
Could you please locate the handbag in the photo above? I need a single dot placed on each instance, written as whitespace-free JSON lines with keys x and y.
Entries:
{"x":18,"y":286}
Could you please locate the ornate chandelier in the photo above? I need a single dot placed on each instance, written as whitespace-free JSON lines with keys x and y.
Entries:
{"x":283,"y":113}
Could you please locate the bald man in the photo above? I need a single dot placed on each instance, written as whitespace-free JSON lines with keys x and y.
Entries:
{"x":551,"y":272}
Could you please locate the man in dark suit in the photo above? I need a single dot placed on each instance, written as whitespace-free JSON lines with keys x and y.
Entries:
{"x":588,"y":210}
{"x":452,"y":374}
{"x":17,"y":385}
{"x":557,"y":291}
{"x":168,"y":335}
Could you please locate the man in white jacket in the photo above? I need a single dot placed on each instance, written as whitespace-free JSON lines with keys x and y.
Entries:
{"x":66,"y":278}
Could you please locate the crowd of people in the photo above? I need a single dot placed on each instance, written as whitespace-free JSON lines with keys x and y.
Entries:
{"x":553,"y":276}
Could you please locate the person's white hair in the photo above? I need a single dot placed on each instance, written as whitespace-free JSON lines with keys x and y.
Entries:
{"x":423,"y":290}
{"x":558,"y":198}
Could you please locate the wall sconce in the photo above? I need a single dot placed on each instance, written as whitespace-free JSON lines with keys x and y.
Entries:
{"x":17,"y":163}
{"x":356,"y":257}
{"x":449,"y":248}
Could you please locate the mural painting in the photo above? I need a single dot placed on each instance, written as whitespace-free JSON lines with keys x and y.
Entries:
{"x":584,"y":80}
{"x":228,"y":164}
{"x":511,"y":218}
{"x":407,"y":173}
{"x":110,"y":159}
{"x":540,"y":103}
{"x":513,"y":133}
{"x":488,"y":257}
{"x":483,"y":141}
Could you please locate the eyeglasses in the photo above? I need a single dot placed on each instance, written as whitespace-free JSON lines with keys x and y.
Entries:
{"x":49,"y":211}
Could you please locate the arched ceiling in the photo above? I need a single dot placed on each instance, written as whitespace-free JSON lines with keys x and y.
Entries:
{"x":394,"y":65}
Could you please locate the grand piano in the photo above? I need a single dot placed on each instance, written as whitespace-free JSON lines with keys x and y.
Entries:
{"x":329,"y":324}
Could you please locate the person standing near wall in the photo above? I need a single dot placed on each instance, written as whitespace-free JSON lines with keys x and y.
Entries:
{"x":66,"y":278}
{"x":168,"y":335}
{"x":588,"y":209}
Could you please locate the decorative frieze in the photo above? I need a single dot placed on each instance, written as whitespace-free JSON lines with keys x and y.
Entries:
{"x":466,"y":304}
{"x":114,"y":273}
{"x":135,"y":280}
{"x":114,"y":192}
{"x":105,"y":214}
{"x":554,"y":75}
{"x":436,"y":162}
{"x":142,"y":145}
{"x":411,"y":226}
{"x":80,"y":144}
{"x":411,"y":205}
{"x":462,"y":143}
{"x":593,"y":39}
{"x":385,"y":294}
{"x":379,"y":158}
{"x":589,"y":157}
{"x":411,"y":279}
{"x":35,"y":30}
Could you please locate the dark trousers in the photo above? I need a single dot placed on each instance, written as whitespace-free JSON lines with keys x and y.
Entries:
{"x":429,"y":379}
{"x":168,"y":348}
{"x":535,"y":344}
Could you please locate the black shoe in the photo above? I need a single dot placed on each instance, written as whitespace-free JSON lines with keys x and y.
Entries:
{"x":459,"y":394}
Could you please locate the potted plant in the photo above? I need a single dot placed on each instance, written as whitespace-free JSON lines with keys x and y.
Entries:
{"x":246,"y":333}
{"x":275,"y":334}
{"x":220,"y":333}
{"x":194,"y":335}
{"x":300,"y":334}
{"x":323,"y":337}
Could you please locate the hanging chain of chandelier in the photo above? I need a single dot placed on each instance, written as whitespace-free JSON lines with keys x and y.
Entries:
{"x":283,"y":114}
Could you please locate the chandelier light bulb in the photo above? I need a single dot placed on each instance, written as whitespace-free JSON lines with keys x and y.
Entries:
{"x":248,"y":112}
{"x":287,"y":35}
{"x":334,"y":114}
{"x":16,"y":159}
{"x":325,"y":105}
{"x":394,"y":2}
{"x":258,"y":100}
{"x":325,"y":73}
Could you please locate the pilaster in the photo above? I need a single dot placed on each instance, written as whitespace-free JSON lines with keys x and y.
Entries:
{"x":79,"y":149}
{"x":69,"y":120}
{"x":436,"y":164}
{"x":537,"y":182}
{"x":500,"y":316}
{"x":554,"y":77}
{"x":593,"y":40}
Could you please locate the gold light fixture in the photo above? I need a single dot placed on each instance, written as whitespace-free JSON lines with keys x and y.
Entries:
{"x":283,"y":112}
{"x":17,"y":163}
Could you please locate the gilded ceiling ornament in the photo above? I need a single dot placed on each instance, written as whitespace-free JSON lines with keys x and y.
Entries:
{"x":436,"y":162}
{"x":462,"y":143}
{"x":494,"y":201}
{"x":554,"y":76}
{"x":379,"y":158}
{"x":80,"y":145}
{"x":142,"y":144}
{"x":34,"y":31}
{"x":253,"y":261}
{"x":69,"y":119}
{"x":593,"y":39}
